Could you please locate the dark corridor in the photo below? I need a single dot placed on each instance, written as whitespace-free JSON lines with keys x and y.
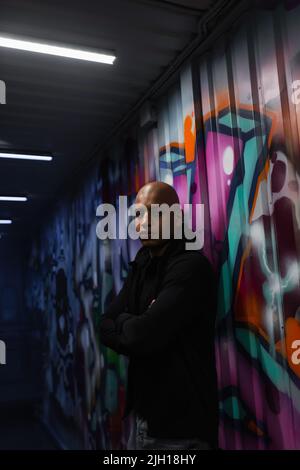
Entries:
{"x":98,"y":98}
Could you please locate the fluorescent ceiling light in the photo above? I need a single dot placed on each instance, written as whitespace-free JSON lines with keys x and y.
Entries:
{"x":13,"y":198}
{"x":25,"y":156}
{"x":5,"y":221}
{"x":56,"y":50}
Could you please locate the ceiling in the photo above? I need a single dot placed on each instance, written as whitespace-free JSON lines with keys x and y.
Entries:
{"x":68,"y":107}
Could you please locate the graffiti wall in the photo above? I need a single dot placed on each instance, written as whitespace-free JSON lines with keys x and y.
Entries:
{"x":227,"y":135}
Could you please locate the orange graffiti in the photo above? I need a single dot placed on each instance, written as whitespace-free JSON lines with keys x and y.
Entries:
{"x":189,"y":139}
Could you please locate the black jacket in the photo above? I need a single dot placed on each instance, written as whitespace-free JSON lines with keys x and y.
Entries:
{"x":172,"y":378}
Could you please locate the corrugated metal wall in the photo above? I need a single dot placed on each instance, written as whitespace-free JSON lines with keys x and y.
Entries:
{"x":228,"y":137}
{"x":249,"y":139}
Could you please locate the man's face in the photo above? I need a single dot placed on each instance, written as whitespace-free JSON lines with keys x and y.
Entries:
{"x":147,"y":226}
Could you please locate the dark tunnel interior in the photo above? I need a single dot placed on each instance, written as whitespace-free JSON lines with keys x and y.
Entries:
{"x":203,"y":95}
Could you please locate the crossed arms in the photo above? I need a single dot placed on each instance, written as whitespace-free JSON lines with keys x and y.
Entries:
{"x":176,"y":306}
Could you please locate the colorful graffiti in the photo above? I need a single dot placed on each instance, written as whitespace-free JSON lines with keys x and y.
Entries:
{"x":227,"y":136}
{"x":259,"y":293}
{"x":84,"y":383}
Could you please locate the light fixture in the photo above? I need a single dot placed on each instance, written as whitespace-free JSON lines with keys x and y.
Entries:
{"x":13,"y":198}
{"x":56,"y":50}
{"x":24,"y":156}
{"x":5,"y":221}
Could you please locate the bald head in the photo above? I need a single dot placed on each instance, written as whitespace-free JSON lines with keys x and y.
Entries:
{"x":157,"y":192}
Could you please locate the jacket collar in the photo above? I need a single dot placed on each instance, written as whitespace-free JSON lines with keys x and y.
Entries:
{"x":144,"y":255}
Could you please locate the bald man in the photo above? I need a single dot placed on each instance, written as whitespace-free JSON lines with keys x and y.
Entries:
{"x":163,"y":320}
